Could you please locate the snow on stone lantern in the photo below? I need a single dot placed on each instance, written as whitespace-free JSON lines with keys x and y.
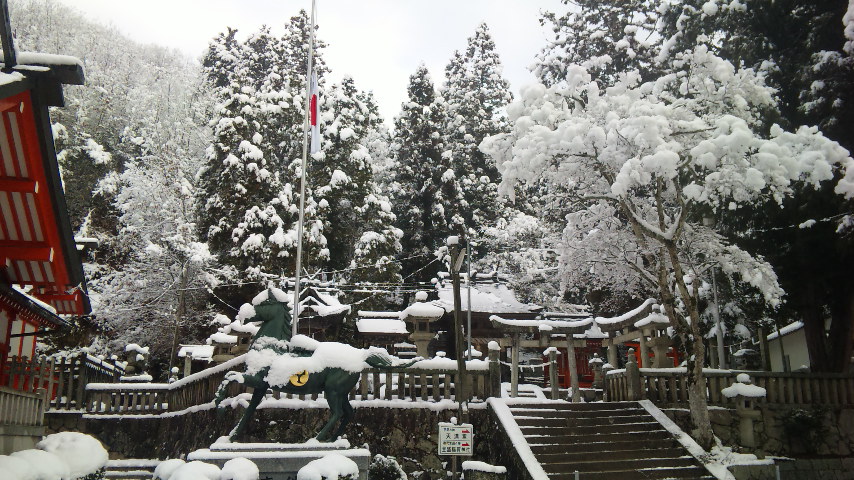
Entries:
{"x":421,"y":314}
{"x":136,"y":358}
{"x":595,"y":364}
{"x":745,"y":394}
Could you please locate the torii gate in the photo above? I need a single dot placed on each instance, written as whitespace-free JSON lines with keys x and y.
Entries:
{"x":642,"y":323}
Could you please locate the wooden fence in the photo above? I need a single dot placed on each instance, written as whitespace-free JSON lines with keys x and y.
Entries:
{"x":64,"y":378}
{"x":670,"y":387}
{"x":409,"y":384}
{"x":153,"y":398}
{"x":21,"y":408}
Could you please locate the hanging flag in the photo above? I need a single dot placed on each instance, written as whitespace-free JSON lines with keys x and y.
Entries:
{"x":313,"y":112}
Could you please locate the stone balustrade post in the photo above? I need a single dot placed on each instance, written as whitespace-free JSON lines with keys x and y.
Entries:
{"x":553,"y":383}
{"x":633,"y":377}
{"x":494,"y":389}
{"x":596,"y":364}
{"x":605,"y":369}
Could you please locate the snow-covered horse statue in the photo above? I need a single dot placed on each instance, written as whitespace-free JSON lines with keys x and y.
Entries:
{"x":299,"y":365}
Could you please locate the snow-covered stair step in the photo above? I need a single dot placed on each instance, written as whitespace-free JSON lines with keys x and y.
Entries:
{"x":549,"y":445}
{"x":613,"y":441}
{"x":130,"y":469}
{"x":680,"y":473}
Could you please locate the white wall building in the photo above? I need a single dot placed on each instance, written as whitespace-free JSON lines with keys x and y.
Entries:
{"x":788,"y":349}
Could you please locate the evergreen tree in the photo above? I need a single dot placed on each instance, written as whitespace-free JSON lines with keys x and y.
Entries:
{"x":249,"y":187}
{"x":476,"y":95}
{"x":427,"y":199}
{"x":221,"y":59}
{"x":607,"y":38}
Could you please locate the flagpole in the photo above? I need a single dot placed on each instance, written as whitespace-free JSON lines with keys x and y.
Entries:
{"x":303,"y":168}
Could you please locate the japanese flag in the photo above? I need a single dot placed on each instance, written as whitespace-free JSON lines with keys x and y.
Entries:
{"x":313,"y":114}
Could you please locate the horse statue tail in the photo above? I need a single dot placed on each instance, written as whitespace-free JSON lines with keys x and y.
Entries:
{"x":381,"y":359}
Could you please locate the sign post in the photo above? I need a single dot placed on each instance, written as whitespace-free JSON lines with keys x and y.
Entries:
{"x":456,"y":440}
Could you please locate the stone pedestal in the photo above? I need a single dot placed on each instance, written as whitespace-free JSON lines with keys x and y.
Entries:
{"x":282,"y":461}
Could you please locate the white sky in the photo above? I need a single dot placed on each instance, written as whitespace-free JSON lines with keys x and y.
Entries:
{"x":377,"y":42}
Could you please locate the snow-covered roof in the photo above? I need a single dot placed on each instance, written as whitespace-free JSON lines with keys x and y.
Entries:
{"x":220,"y":337}
{"x":26,"y":293}
{"x":792,"y":327}
{"x":381,"y":325}
{"x":326,"y":310}
{"x":494,"y":298}
{"x":47,"y":59}
{"x":421,"y":310}
{"x":372,"y":314}
{"x":197,"y":352}
{"x":583,"y":328}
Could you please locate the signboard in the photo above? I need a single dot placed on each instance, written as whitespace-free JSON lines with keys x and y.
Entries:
{"x":456,"y":439}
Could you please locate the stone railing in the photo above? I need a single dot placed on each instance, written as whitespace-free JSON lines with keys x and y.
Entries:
{"x":21,"y":408}
{"x":427,"y":381}
{"x":669,"y":386}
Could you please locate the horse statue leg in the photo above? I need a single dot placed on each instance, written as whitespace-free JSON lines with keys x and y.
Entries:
{"x":257,"y":396}
{"x":333,"y":398}
{"x":346,"y":417}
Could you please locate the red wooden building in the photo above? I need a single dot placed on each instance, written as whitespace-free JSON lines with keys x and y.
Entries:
{"x":41,"y":277}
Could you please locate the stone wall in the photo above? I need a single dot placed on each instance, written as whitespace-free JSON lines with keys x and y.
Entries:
{"x":793,"y":431}
{"x":799,"y":469}
{"x":408,"y":434}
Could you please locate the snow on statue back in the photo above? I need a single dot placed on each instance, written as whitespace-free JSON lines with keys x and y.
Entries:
{"x":299,"y":365}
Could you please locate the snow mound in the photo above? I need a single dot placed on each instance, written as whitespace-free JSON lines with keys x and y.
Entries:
{"x":43,"y":465}
{"x":16,"y":468}
{"x":329,"y":466}
{"x":239,"y":469}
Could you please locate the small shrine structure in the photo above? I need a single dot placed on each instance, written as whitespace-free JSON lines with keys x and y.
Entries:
{"x":490,"y":296}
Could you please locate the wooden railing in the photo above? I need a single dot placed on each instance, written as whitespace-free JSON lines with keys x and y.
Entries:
{"x":420,"y":385}
{"x":152,"y":398}
{"x":63,"y":378}
{"x":21,"y":408}
{"x":670,"y":387}
{"x":410,"y":384}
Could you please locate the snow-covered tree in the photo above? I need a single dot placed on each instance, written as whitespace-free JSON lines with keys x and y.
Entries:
{"x":476,"y":94}
{"x":427,"y":198}
{"x":365,"y":242}
{"x":249,"y":186}
{"x":128,"y":139}
{"x":801,"y":50}
{"x":607,"y":38}
{"x":644,"y":160}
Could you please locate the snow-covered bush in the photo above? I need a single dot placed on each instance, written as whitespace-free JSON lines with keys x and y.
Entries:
{"x":385,"y":468}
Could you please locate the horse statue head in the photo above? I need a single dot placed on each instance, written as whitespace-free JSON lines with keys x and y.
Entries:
{"x":274,"y":315}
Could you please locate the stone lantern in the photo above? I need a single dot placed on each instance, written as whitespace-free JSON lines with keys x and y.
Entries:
{"x":596,"y":364}
{"x":745,"y":395}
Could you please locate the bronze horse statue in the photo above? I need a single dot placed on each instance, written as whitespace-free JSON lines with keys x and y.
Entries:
{"x":335,"y":383}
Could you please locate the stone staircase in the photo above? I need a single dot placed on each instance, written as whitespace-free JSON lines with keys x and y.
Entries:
{"x":130,"y":469}
{"x":613,"y":441}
